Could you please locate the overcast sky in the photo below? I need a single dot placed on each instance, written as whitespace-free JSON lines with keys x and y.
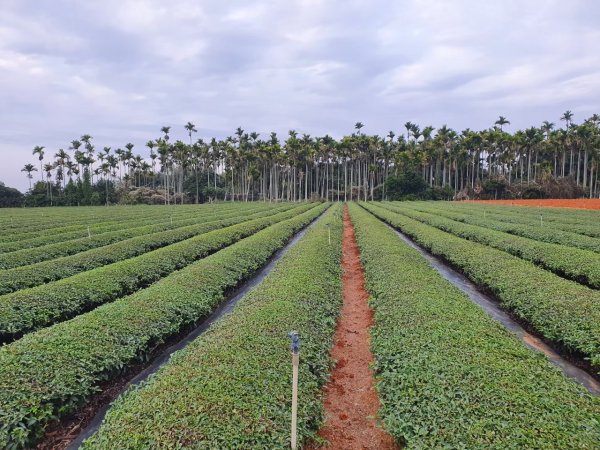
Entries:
{"x":121,"y":69}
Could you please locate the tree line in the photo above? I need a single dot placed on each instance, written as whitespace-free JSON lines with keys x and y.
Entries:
{"x":247,"y":167}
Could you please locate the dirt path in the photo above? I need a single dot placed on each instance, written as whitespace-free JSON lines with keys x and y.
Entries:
{"x":351,"y":402}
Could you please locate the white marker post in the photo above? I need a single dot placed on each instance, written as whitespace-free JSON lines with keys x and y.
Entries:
{"x":89,"y":233}
{"x":329,"y":232}
{"x":541,"y":220}
{"x":295,"y":362}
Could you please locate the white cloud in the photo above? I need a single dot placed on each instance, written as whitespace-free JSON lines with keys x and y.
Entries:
{"x":120,"y":69}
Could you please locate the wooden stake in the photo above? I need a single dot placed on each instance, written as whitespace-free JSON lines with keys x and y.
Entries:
{"x":295,"y":363}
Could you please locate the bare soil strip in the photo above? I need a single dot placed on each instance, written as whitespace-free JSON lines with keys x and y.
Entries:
{"x":351,"y":401}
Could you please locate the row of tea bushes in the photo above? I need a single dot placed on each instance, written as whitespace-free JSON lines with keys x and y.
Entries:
{"x":534,"y":231}
{"x":578,"y":265}
{"x":38,"y":307}
{"x":54,"y":371}
{"x":560,"y":310}
{"x":448,"y":375}
{"x":75,"y":224}
{"x":47,"y":271}
{"x":230,"y":388}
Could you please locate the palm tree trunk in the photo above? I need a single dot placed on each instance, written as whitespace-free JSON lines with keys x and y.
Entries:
{"x":578,"y":164}
{"x":585,"y":163}
{"x":351,"y":178}
{"x":305,"y":181}
{"x":345,"y":180}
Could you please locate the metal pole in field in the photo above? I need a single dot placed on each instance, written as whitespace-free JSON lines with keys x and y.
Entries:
{"x":89,"y":233}
{"x":541,"y":220}
{"x":329,"y":232}
{"x":295,"y":362}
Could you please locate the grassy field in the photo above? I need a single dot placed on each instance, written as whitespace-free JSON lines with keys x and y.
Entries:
{"x":89,"y":294}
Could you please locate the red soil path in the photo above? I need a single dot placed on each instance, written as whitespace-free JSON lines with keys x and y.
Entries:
{"x":351,"y":402}
{"x":592,"y":203}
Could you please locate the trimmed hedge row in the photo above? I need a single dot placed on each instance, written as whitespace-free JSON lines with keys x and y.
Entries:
{"x":45,"y":221}
{"x":34,"y":308}
{"x":451,"y":377}
{"x":69,"y":247}
{"x":558,"y":215}
{"x":578,"y":265}
{"x":23,"y":225}
{"x":47,"y":271}
{"x":53,"y":372}
{"x":562,"y":311}
{"x":230,"y":388}
{"x":62,"y":234}
{"x":543,"y":234}
{"x":78,"y":220}
{"x":583,"y":227}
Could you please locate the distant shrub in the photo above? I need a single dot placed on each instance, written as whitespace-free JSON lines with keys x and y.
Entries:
{"x":10,"y":197}
{"x":405,"y":186}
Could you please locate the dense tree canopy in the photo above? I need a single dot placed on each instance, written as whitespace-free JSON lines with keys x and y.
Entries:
{"x":246,"y":166}
{"x":10,"y":197}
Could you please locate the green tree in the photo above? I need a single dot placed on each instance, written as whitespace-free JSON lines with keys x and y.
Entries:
{"x":39,"y":150}
{"x":29,"y":168}
{"x":501,"y":122}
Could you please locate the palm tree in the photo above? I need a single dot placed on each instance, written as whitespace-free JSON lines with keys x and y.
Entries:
{"x":547,"y":127}
{"x":29,"y":168}
{"x":39,"y":150}
{"x":71,"y":169}
{"x":127,"y":156}
{"x":408,"y":126}
{"x":358,"y":126}
{"x":568,"y":119}
{"x":62,"y":158}
{"x":49,"y":168}
{"x":501,"y":122}
{"x":165,"y":131}
{"x":153,"y":156}
{"x":191,"y":128}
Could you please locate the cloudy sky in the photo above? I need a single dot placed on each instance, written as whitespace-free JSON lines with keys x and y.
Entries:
{"x":121,"y":69}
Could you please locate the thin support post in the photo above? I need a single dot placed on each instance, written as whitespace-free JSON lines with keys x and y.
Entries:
{"x":295,"y":363}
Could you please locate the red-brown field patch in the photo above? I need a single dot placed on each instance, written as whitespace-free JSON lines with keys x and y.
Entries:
{"x":591,"y":203}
